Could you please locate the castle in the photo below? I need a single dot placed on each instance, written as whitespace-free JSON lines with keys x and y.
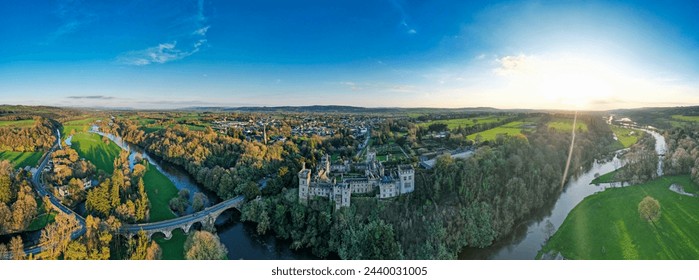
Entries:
{"x":389,"y":183}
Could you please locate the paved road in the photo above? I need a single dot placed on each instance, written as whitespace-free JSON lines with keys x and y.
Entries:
{"x":43,"y":192}
{"x":366,"y":142}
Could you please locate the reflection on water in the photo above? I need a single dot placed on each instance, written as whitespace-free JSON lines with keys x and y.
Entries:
{"x":244,"y":243}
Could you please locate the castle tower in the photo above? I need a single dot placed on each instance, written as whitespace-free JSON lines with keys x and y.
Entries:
{"x":326,"y":163}
{"x":304,"y":184}
{"x":370,"y":156}
{"x":406,"y":176}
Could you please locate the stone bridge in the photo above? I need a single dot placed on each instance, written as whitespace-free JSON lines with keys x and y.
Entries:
{"x":206,"y":218}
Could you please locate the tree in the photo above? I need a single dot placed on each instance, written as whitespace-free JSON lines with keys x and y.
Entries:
{"x":4,"y":253}
{"x":98,"y":200}
{"x":203,"y":245}
{"x":5,"y":218}
{"x":141,"y":249}
{"x":139,"y":170}
{"x":97,"y":238}
{"x":549,"y":229}
{"x":24,"y":209}
{"x":57,"y":236}
{"x":6,"y":193}
{"x":17,"y":248}
{"x":75,"y":251}
{"x":154,"y":251}
{"x":649,"y":208}
{"x":199,"y":201}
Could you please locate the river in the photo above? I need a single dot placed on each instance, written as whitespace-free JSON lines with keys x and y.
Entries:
{"x":528,"y":237}
{"x":240,"y":238}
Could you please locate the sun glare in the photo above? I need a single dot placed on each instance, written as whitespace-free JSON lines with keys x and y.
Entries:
{"x":565,"y":82}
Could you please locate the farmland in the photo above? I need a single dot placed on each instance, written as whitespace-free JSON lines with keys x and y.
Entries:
{"x":607,"y":225}
{"x":512,"y":129}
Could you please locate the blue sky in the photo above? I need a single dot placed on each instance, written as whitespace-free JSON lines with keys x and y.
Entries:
{"x":383,"y":53}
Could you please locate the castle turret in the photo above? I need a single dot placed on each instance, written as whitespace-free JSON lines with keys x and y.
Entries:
{"x":406,"y":177}
{"x":370,"y":156}
{"x":304,"y":184}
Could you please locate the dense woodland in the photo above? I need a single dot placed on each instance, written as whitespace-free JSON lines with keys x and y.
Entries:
{"x":462,"y":203}
{"x":18,"y":206}
{"x":223,"y":164}
{"x":122,"y":195}
{"x":682,"y":155}
{"x":38,"y":137}
{"x":641,"y":162}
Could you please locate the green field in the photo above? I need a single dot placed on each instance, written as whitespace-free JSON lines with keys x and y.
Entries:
{"x":686,"y":118}
{"x":45,"y":217}
{"x":511,"y":129}
{"x":173,"y":249}
{"x":21,"y":159}
{"x":627,"y":136}
{"x":606,"y":178}
{"x":160,"y":190}
{"x":20,"y":123}
{"x":566,"y":125}
{"x":91,"y":147}
{"x":41,"y":221}
{"x":607,"y":225}
{"x":77,"y":125}
{"x":464,"y":123}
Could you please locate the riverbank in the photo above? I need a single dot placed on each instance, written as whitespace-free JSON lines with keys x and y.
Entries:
{"x":158,"y":187}
{"x":607,"y":225}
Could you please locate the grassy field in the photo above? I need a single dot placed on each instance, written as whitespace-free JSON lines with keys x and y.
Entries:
{"x":606,"y":178}
{"x":694,"y":119}
{"x":41,"y":221}
{"x":20,"y":123}
{"x":566,"y":125}
{"x":627,"y":136}
{"x":466,"y":122}
{"x":160,"y":190}
{"x":173,"y":249}
{"x":607,"y":225}
{"x":45,"y":217}
{"x":20,"y":159}
{"x":511,"y":129}
{"x":77,"y":125}
{"x":91,"y":147}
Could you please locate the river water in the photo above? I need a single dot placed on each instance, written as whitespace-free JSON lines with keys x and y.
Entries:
{"x":527,"y":238}
{"x":240,"y":238}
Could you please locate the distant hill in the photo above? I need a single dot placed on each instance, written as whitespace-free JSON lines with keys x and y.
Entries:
{"x":339,"y":109}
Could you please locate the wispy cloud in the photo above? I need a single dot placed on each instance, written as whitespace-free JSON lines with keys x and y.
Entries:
{"x":94,"y":97}
{"x":170,"y":51}
{"x":73,"y":15}
{"x":404,"y":18}
{"x":161,"y":53}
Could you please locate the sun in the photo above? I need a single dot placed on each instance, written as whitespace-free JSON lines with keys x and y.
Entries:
{"x":574,"y":82}
{"x":561,"y":82}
